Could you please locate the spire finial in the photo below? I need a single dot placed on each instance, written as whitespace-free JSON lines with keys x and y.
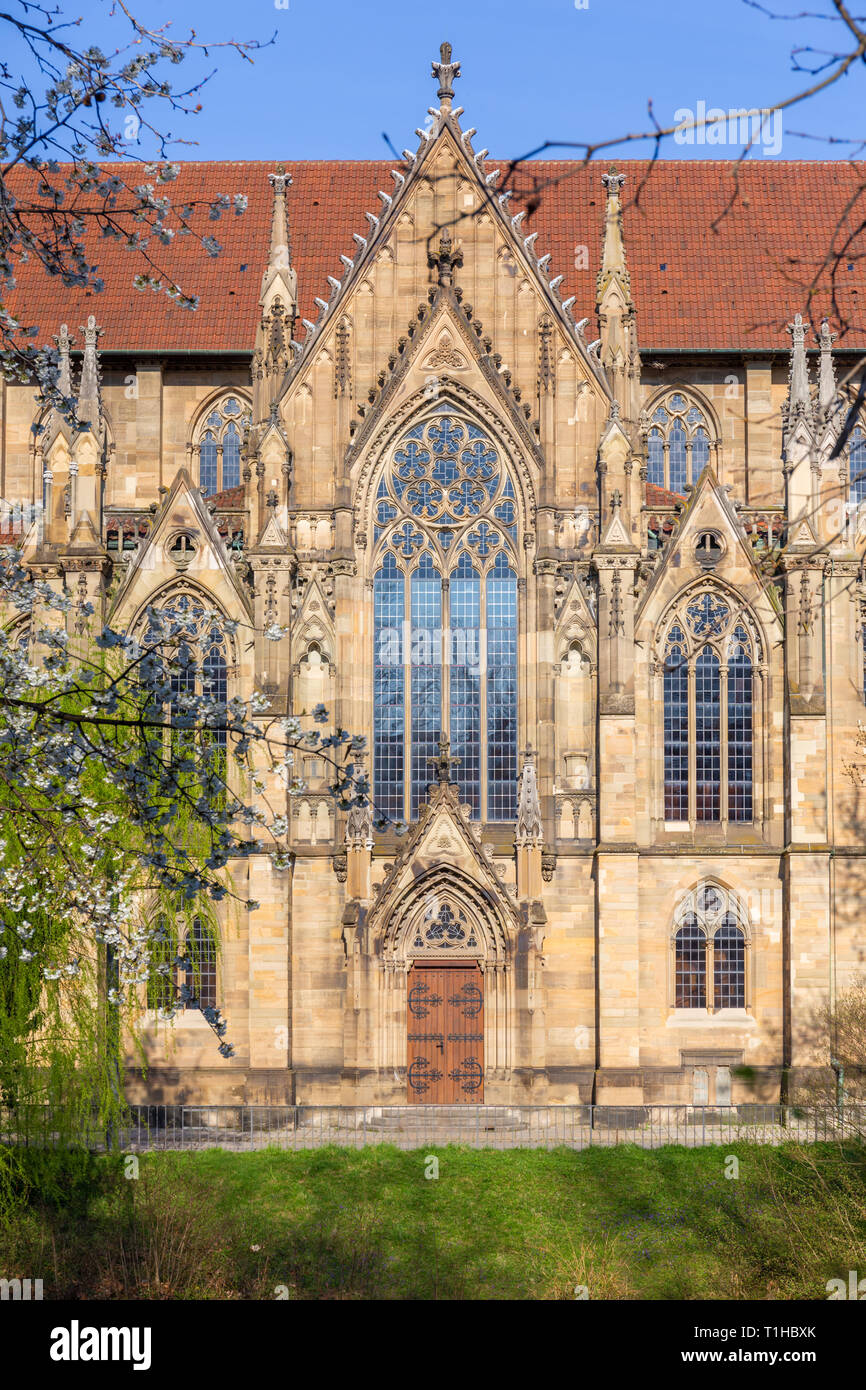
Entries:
{"x":445,"y":72}
{"x":799,"y":394}
{"x":64,"y":375}
{"x":613,"y":261}
{"x":89,"y":402}
{"x":826,"y":375}
{"x":613,"y":181}
{"x":280,"y":257}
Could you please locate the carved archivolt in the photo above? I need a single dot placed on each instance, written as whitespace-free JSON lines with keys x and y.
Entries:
{"x":706,"y":612}
{"x":444,"y":914}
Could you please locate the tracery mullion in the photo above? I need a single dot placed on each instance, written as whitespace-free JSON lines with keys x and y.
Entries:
{"x":464,"y":701}
{"x":693,"y":796}
{"x":724,"y":721}
{"x":425,"y":584}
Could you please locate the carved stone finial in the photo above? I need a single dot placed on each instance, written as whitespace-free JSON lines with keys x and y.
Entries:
{"x":444,"y":762}
{"x":446,"y":259}
{"x":64,"y":376}
{"x":281,"y":247}
{"x":530,"y":831}
{"x":445,"y":72}
{"x":826,"y":375}
{"x":616,"y":499}
{"x":613,"y":260}
{"x":799,"y":396}
{"x":89,"y":401}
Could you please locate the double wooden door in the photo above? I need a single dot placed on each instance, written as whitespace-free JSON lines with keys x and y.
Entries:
{"x":445,"y":1052}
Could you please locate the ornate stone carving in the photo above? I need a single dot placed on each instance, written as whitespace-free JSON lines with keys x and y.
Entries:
{"x":445,"y":71}
{"x":529,"y":828}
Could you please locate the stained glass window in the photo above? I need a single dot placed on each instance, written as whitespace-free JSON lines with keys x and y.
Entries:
{"x":426,"y":673}
{"x":445,"y":537}
{"x":198,"y":659}
{"x":219,"y":446}
{"x":857,"y":466}
{"x":201,"y":972}
{"x":465,"y":593}
{"x":729,"y":966}
{"x":740,"y":728}
{"x":502,"y":691}
{"x":677,"y":457}
{"x":161,"y":992}
{"x":656,"y":458}
{"x":710,"y":918}
{"x":707,"y":736}
{"x":678,"y":443}
{"x":389,"y":702}
{"x":691,"y":966}
{"x":676,"y":717}
{"x":708,"y":691}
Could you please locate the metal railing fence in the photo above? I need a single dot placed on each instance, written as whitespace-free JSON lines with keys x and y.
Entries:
{"x":240,"y":1127}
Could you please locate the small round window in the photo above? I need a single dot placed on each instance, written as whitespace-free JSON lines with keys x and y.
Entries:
{"x":181,"y":549}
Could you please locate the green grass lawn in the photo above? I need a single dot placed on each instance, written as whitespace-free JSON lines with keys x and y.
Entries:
{"x":523,"y":1224}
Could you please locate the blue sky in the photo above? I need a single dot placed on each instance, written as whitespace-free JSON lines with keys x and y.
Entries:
{"x":340,"y":74}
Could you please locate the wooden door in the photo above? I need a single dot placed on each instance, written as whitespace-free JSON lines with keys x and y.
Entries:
{"x":445,"y":1052}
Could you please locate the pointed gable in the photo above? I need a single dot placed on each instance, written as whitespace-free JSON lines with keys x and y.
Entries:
{"x":443,"y":845}
{"x":708,"y":512}
{"x":183,"y":541}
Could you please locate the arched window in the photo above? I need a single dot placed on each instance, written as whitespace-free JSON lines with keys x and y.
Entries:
{"x":857,"y":465}
{"x":709,"y":943}
{"x":445,"y":619}
{"x":161,"y":992}
{"x":218,"y":445}
{"x":678,"y":443}
{"x":201,"y":971}
{"x":200,"y":665}
{"x":729,"y":966}
{"x":708,"y":691}
{"x":691,"y":966}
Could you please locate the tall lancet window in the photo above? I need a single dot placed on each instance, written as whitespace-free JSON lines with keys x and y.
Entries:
{"x":218,"y":446}
{"x":199,"y":661}
{"x":678,"y":442}
{"x":857,"y":465}
{"x":709,"y":693}
{"x":445,"y":619}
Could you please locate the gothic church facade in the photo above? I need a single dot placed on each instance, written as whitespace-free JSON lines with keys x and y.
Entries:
{"x":597,"y":608}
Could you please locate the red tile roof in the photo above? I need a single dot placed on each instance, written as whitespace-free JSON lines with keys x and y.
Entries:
{"x":729,"y":286}
{"x":660,"y":497}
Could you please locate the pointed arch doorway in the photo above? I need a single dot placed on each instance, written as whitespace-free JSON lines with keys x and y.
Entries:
{"x":445,"y":1033}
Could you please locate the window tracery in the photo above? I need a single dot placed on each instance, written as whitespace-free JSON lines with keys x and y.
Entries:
{"x":445,"y":618}
{"x":710,"y":652}
{"x":678,"y":442}
{"x":710,"y":949}
{"x":218,"y":445}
